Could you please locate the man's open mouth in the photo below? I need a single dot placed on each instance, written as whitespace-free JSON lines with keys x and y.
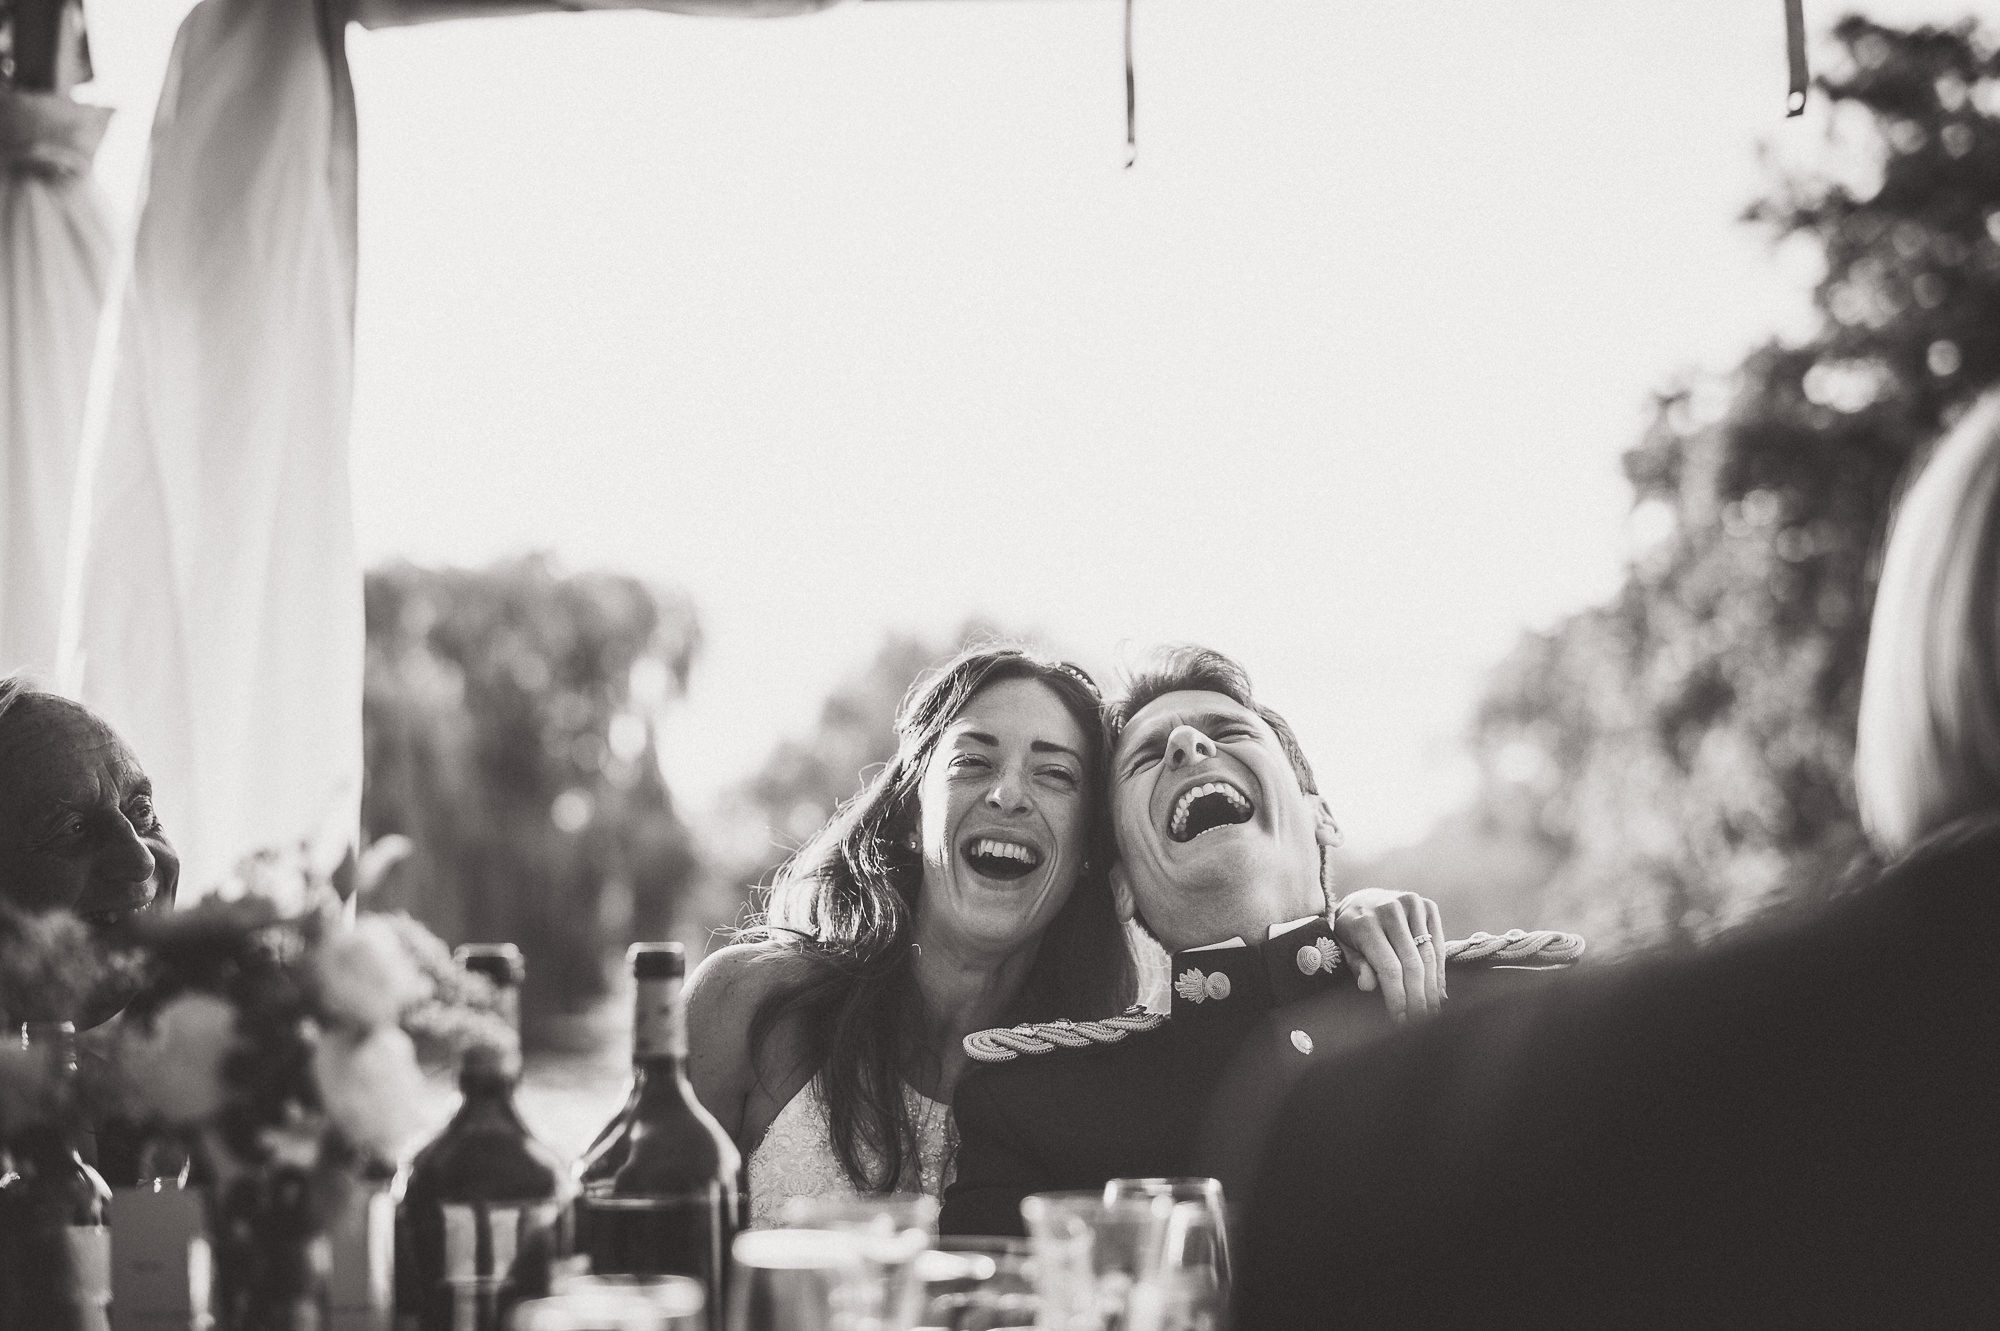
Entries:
{"x":1205,"y":807}
{"x":996,"y":857}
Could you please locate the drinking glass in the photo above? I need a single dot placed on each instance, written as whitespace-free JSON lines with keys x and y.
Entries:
{"x":1205,"y":1244}
{"x":1090,"y":1254}
{"x":616,"y":1303}
{"x":1185,"y":1292}
{"x":791,"y":1279}
{"x":881,"y":1291}
{"x":978,"y":1284}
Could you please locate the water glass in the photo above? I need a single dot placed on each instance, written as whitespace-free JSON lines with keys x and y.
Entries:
{"x":1186,"y":1292}
{"x":791,"y":1279}
{"x":881,"y":1291}
{"x":1090,"y":1254}
{"x":978,"y":1284}
{"x":1202,"y":1244}
{"x":616,"y":1303}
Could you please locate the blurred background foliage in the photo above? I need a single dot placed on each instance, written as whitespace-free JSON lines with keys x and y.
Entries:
{"x":1678,"y":761}
{"x":511,"y":723}
{"x":1654,"y":770}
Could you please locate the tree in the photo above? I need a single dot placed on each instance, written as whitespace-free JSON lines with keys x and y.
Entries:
{"x":509,"y":724}
{"x":1685,"y":751}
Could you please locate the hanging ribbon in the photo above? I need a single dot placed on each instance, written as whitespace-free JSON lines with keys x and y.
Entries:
{"x":1795,"y":54}
{"x":1133,"y":94}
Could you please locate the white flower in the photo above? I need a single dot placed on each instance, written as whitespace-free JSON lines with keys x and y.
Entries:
{"x":176,"y":1071}
{"x":365,"y":976}
{"x":371,"y":1088}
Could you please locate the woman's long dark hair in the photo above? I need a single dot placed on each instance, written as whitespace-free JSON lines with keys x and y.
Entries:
{"x":843,"y":910}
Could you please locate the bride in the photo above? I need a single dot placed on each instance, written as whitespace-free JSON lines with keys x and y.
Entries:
{"x":964,"y":888}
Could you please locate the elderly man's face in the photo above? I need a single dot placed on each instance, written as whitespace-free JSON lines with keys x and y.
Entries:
{"x":77,"y":827}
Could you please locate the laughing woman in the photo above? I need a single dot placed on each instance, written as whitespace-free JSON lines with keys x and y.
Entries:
{"x":964,"y":888}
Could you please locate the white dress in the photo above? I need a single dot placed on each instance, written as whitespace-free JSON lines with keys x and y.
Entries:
{"x":797,"y":1159}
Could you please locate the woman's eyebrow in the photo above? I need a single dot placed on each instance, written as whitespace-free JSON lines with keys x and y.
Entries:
{"x":1050,"y":746}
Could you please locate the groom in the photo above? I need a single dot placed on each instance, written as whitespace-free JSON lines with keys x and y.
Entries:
{"x":1222,"y":839}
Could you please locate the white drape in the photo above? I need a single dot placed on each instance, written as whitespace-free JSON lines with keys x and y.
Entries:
{"x":220,"y":625}
{"x":56,"y":253}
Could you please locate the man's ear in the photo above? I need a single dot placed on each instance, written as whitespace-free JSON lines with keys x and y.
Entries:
{"x":1325,"y":830}
{"x":1121,"y":894}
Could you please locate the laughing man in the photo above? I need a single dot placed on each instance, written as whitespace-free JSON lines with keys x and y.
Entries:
{"x":1222,"y":840}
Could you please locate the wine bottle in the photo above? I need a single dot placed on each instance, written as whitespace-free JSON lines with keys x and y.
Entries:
{"x":478,"y":1208}
{"x":659,"y":1191}
{"x":55,"y":1248}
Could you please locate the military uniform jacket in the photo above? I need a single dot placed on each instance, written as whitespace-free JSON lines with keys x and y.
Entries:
{"x":1138,"y":1108}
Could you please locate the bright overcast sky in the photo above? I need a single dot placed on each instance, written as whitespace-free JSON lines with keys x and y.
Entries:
{"x":854,"y":322}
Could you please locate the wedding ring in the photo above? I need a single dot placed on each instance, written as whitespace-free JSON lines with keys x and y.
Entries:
{"x":1421,"y":939}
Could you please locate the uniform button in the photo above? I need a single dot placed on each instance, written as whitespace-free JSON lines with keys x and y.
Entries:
{"x":1309,"y":959}
{"x":1302,"y":1042}
{"x":1218,"y":985}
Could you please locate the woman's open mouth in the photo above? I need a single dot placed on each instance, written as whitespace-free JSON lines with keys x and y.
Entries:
{"x":1205,"y":807}
{"x":998,"y":857}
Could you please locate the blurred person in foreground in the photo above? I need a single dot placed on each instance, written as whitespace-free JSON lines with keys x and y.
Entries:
{"x":78,"y":830}
{"x":966,"y":885}
{"x":1222,"y":841}
{"x":1796,"y":1127}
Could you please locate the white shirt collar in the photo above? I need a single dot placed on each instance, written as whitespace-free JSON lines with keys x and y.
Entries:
{"x":1237,"y":941}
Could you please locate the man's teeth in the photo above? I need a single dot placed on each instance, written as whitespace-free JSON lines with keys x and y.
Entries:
{"x":1004,"y":850}
{"x":1237,"y":799}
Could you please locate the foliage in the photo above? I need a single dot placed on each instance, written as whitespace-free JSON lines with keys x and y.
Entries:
{"x":1685,"y":751}
{"x":511,"y":729}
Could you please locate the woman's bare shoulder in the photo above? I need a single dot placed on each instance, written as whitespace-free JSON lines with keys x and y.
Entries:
{"x":742,"y":1086}
{"x":731,"y":983}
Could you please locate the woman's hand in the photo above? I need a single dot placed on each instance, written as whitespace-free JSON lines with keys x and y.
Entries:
{"x":1395,"y":939}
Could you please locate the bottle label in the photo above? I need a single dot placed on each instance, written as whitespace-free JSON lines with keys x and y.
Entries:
{"x":362,"y":1244}
{"x":90,"y":1264}
{"x":659,"y":1023}
{"x":150,"y":1284}
{"x":486,"y":1240}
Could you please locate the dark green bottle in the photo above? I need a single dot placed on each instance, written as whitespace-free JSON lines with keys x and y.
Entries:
{"x":55,"y":1247}
{"x":659,"y":1190}
{"x":478,"y":1209}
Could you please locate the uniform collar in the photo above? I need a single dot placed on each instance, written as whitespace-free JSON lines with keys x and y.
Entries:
{"x":1298,"y":960}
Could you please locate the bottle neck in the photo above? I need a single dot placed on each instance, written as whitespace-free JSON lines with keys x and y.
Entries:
{"x":46,"y":1136}
{"x":659,"y":1026}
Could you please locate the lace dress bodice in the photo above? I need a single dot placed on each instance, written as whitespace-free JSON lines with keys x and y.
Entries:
{"x":797,"y":1159}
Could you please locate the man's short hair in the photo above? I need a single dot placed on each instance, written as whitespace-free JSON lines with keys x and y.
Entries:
{"x":12,"y":689}
{"x":1204,"y":670}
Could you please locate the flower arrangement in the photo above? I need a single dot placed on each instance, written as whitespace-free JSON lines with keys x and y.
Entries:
{"x":278,"y":1050}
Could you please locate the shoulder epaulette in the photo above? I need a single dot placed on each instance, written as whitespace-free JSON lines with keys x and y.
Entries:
{"x":1542,"y":949}
{"x":1004,"y":1043}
